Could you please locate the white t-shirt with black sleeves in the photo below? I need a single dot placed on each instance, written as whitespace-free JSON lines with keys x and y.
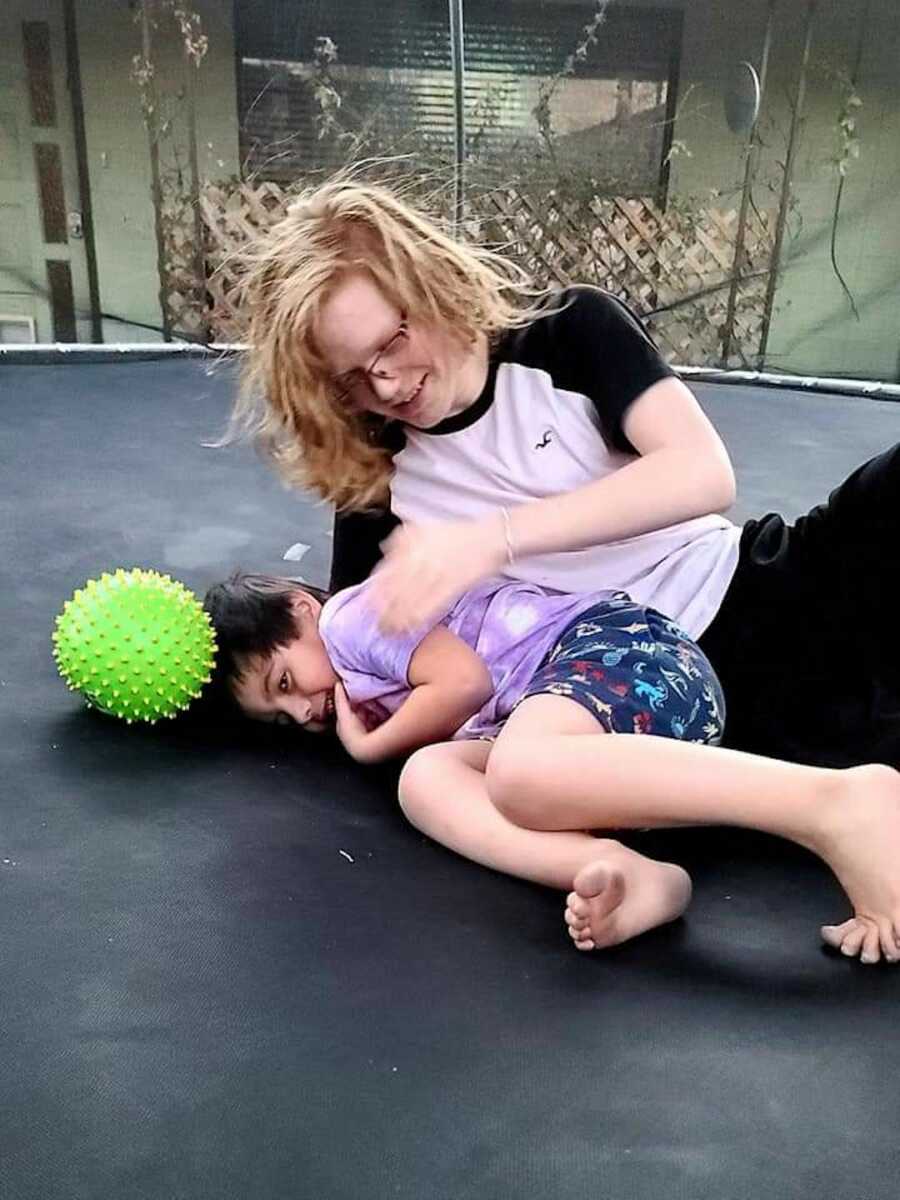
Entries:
{"x":550,"y":420}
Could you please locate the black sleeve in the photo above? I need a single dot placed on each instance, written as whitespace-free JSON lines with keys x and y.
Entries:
{"x":358,"y":535}
{"x":597,"y":346}
{"x":356,"y":549}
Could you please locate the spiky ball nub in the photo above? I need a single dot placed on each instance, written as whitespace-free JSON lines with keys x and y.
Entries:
{"x":136,"y":644}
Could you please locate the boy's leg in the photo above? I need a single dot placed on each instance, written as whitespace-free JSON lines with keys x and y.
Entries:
{"x":564,"y":780}
{"x":618,"y":892}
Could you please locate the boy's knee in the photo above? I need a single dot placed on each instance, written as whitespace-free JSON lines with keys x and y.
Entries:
{"x":506,"y":778}
{"x":418,"y":782}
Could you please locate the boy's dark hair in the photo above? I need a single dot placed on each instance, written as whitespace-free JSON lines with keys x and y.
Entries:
{"x":252,"y":615}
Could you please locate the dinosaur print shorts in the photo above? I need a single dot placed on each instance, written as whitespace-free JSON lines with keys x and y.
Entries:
{"x":636,"y":672}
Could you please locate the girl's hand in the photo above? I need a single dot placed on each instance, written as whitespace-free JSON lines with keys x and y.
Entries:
{"x":354,"y":733}
{"x":427,"y":567}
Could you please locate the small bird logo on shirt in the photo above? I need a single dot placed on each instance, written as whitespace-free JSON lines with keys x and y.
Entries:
{"x":546,"y":439}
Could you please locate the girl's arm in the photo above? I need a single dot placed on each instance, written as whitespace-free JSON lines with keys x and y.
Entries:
{"x":450,"y":683}
{"x":683,"y":471}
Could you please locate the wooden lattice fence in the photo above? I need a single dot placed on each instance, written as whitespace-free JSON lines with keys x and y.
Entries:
{"x":670,"y":266}
{"x":232,"y":217}
{"x":655,"y":260}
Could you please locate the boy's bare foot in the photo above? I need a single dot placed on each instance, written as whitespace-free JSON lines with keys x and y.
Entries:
{"x":622,"y":894}
{"x":860,"y":841}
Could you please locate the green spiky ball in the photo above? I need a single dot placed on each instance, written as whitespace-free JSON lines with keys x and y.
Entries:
{"x":136,"y":644}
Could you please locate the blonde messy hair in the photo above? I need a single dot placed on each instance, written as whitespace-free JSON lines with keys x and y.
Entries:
{"x":286,"y":400}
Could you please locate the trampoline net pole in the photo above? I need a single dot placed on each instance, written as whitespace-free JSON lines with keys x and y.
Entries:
{"x":786,"y":180}
{"x":749,"y":176}
{"x":457,"y":49}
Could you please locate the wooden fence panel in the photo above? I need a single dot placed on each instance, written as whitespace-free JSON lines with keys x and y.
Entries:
{"x":671,"y":266}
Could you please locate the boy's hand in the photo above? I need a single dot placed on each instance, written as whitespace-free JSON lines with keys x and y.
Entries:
{"x":355,"y":737}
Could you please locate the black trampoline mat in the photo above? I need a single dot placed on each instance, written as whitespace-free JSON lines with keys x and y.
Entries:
{"x":231,"y":970}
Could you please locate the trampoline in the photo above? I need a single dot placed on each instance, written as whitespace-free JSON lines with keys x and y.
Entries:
{"x":230,"y":969}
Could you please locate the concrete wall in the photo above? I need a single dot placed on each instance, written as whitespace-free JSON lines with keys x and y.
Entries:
{"x":118,"y":153}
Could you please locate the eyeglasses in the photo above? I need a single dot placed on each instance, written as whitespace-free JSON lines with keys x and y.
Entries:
{"x":354,"y":387}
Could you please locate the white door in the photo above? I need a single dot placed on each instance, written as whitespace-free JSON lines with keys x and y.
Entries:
{"x":43,"y":275}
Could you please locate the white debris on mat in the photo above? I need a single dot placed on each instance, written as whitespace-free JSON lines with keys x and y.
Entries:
{"x":296,"y":552}
{"x":346,"y":855}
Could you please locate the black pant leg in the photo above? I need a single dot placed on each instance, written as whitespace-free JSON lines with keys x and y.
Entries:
{"x":357,"y":546}
{"x":802,"y":641}
{"x":849,"y":543}
{"x":763,"y":646}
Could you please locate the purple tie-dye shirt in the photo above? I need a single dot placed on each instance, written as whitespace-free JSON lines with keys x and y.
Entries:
{"x":511,"y":624}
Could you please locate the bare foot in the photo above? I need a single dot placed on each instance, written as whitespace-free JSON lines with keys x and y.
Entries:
{"x":861,"y":938}
{"x":860,"y":841}
{"x":622,"y":894}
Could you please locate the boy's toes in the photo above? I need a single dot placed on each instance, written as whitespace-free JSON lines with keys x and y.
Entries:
{"x":578,"y":905}
{"x":574,"y":921}
{"x":582,"y":938}
{"x":579,"y":927}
